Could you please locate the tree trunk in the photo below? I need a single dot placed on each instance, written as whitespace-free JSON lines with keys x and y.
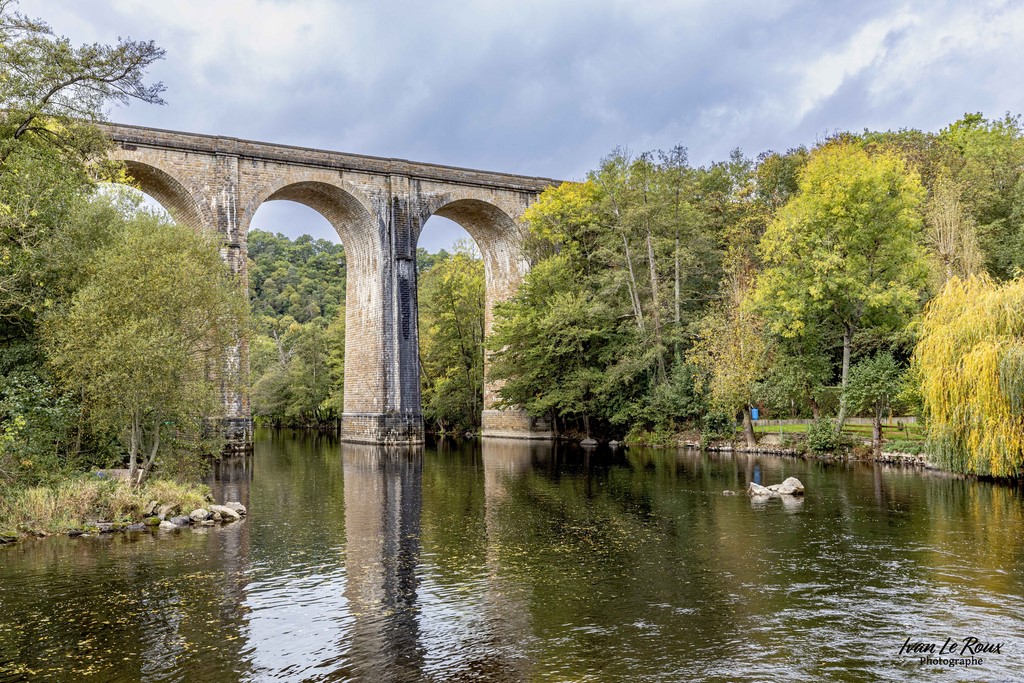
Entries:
{"x":876,"y":434}
{"x":748,"y":428}
{"x":847,"y":342}
{"x":634,"y":296}
{"x":154,"y":449}
{"x":586,"y":424}
{"x":678,"y":293}
{"x":655,"y":304}
{"x":133,"y":447}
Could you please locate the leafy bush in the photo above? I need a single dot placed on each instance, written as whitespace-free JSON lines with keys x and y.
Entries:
{"x":822,"y":436}
{"x":716,"y":426}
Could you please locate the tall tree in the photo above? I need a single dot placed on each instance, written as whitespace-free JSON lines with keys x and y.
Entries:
{"x":141,"y":341}
{"x":51,"y":95}
{"x":845,"y":252}
{"x":732,"y":352}
{"x":951,"y":234}
{"x":987,"y":161}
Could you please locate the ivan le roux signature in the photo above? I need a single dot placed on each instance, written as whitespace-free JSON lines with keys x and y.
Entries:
{"x":969,"y":646}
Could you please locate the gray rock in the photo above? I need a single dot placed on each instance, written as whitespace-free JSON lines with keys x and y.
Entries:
{"x":728,"y":493}
{"x":217,"y":517}
{"x":135,"y":527}
{"x":168,"y":526}
{"x":588,"y":442}
{"x":225,"y":512}
{"x":613,"y":444}
{"x":207,"y":522}
{"x":104,"y":527}
{"x":150,"y":510}
{"x":198,"y":515}
{"x":165,"y":511}
{"x":236,"y":506}
{"x":790,"y":487}
{"x":181,"y":520}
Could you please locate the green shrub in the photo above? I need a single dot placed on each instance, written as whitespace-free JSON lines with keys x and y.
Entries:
{"x":717,"y":426}
{"x":822,"y":436}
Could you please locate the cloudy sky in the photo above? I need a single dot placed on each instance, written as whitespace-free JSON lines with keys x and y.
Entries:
{"x":549,"y":87}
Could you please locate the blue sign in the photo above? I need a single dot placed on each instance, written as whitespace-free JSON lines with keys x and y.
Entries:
{"x":753,"y":413}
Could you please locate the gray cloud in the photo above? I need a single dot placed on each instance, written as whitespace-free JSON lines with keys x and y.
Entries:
{"x":548,"y":88}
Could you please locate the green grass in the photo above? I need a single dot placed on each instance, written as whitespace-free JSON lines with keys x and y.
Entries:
{"x":785,"y":429}
{"x":908,"y":433}
{"x":77,"y":502}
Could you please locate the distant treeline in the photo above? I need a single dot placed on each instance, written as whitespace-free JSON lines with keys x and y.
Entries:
{"x":665,"y":297}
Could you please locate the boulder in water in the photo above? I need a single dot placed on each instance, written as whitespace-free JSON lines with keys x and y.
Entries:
{"x":236,"y":506}
{"x":790,"y":487}
{"x":226,"y":513}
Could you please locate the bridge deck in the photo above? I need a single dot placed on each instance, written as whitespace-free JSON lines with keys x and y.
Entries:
{"x":141,"y":136}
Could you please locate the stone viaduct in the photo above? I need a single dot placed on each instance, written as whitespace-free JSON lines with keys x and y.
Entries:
{"x":378,"y":206}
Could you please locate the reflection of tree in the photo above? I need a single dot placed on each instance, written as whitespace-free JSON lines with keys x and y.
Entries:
{"x":382,"y":527}
{"x":600,"y":542}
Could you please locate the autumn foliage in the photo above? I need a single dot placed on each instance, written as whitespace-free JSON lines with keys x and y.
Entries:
{"x":971,"y":362}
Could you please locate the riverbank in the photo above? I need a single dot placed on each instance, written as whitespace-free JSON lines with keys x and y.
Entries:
{"x":889,"y":457}
{"x":92,"y":504}
{"x":795,"y":445}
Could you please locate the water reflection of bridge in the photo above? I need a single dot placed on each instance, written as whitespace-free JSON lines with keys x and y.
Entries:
{"x":406,"y":622}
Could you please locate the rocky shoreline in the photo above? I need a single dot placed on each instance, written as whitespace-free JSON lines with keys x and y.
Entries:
{"x":167,"y":518}
{"x":216,"y":514}
{"x":888,"y":457}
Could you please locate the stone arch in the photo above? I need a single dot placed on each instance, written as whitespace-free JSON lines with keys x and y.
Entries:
{"x":169,"y":192}
{"x":367,"y":294}
{"x":491,"y":219}
{"x":344,"y":206}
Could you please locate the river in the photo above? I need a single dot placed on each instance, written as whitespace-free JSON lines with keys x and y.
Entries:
{"x":511,"y":561}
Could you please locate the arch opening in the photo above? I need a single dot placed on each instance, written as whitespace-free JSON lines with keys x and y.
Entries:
{"x":167,"y":192}
{"x":312,"y":283}
{"x":475,"y":276}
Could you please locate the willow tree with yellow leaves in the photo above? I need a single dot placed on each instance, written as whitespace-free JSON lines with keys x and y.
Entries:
{"x":970,"y":359}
